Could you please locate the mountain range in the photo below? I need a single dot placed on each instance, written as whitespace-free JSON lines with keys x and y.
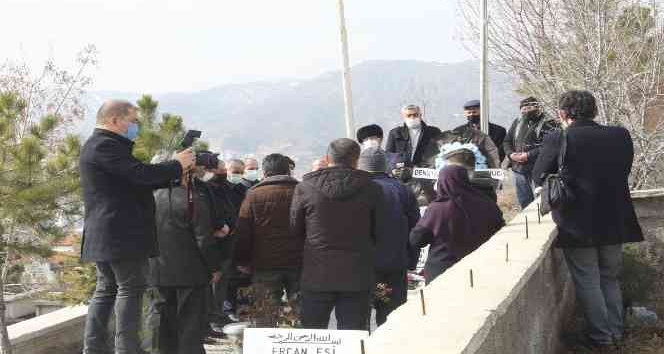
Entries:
{"x":300,"y":117}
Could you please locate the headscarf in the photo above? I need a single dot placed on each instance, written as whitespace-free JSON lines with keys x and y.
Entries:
{"x":460,"y":215}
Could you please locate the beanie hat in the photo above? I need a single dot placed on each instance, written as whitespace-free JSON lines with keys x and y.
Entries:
{"x":471,"y":104}
{"x":373,"y":160}
{"x":529,"y":101}
{"x":369,"y":130}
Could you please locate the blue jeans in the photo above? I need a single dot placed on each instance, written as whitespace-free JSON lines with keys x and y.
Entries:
{"x":595,"y":273}
{"x":524,"y":189}
{"x":120,"y":287}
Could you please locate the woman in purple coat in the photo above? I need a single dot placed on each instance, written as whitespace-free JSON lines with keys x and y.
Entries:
{"x":458,"y":221}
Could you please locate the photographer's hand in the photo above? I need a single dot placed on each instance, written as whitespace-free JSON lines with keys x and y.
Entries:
{"x":186,"y":158}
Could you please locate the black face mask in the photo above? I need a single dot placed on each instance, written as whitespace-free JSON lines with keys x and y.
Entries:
{"x":530,"y":115}
{"x":219,"y":179}
{"x":474,"y":119}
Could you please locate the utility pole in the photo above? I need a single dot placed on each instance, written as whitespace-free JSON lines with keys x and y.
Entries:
{"x":348,"y":93}
{"x":484,"y":68}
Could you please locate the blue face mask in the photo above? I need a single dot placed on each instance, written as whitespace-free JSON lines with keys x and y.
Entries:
{"x":251,"y":175}
{"x":132,"y":131}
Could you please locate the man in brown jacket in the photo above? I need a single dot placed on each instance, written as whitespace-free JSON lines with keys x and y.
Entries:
{"x":265,"y":243}
{"x":337,"y":212}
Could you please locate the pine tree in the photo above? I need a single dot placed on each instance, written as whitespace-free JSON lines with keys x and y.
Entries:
{"x":39,"y":187}
{"x":39,"y":178}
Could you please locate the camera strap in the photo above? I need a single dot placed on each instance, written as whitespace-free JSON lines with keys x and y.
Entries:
{"x":190,"y":198}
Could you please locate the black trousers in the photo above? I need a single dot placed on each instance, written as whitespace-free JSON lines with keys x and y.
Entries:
{"x":351,"y":309}
{"x":178,"y":319}
{"x":398,"y":282}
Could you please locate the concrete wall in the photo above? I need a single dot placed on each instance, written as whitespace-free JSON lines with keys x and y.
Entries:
{"x":58,"y":332}
{"x":515,"y":306}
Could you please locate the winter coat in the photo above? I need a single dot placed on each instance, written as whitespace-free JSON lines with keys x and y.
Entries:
{"x":393,"y":251}
{"x":467,"y":133}
{"x":599,"y":160}
{"x":398,"y":142}
{"x":527,"y":137}
{"x":188,"y":250}
{"x":119,"y":221}
{"x":263,"y":229}
{"x":457,"y":222}
{"x":337,"y":213}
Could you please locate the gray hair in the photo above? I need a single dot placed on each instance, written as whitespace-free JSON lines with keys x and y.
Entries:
{"x":344,"y":152}
{"x":114,"y":109}
{"x":410,"y":107}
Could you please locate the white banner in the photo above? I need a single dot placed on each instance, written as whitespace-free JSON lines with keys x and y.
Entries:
{"x":496,"y":173}
{"x":425,"y":173}
{"x":430,"y":173}
{"x":302,"y":341}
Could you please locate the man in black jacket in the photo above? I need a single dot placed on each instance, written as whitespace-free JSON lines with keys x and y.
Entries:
{"x":470,"y":132}
{"x":337,"y":213}
{"x":411,"y":142}
{"x":187,"y":264}
{"x":119,"y":224}
{"x":522,"y":146}
{"x":224,"y":218}
{"x":411,"y":138}
{"x":592,"y":229}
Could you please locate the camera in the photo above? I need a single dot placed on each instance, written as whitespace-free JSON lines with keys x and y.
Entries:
{"x":205,"y":159}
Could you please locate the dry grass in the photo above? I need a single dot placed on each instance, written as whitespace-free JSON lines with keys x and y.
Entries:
{"x":507,"y":200}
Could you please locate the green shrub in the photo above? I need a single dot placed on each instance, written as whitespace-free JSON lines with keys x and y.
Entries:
{"x":638,"y":277}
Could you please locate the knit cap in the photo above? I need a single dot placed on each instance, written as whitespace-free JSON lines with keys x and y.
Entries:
{"x":373,"y":160}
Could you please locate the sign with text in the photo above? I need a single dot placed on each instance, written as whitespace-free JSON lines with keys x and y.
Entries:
{"x":496,"y":173}
{"x":430,"y":173}
{"x":302,"y":341}
{"x":425,"y":173}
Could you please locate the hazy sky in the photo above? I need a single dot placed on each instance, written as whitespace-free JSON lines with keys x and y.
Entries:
{"x":184,"y":45}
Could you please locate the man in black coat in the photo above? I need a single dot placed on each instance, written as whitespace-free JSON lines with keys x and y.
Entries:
{"x":223,"y":219}
{"x":410,"y":142}
{"x":472,"y":110}
{"x":411,"y":138}
{"x":229,"y":191}
{"x":119,"y":224}
{"x":592,"y":229}
{"x":522,"y":146}
{"x":337,"y":213}
{"x":187,"y":264}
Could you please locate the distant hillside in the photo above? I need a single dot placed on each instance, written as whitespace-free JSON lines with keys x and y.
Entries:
{"x":300,"y":117}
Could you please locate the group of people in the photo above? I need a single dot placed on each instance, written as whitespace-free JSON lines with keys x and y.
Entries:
{"x":195,"y":234}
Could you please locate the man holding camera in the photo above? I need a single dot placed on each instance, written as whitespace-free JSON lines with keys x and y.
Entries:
{"x":189,"y":261}
{"x":119,"y":224}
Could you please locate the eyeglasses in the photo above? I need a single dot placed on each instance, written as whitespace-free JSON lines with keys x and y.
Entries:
{"x":412,"y":115}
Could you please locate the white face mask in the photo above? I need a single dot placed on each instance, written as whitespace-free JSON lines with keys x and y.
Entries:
{"x":207,"y":176}
{"x":234,"y":178}
{"x":413,"y":123}
{"x":370,"y":143}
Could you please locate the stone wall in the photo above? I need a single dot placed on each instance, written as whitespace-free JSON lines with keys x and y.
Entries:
{"x":58,"y":332}
{"x":517,"y":304}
